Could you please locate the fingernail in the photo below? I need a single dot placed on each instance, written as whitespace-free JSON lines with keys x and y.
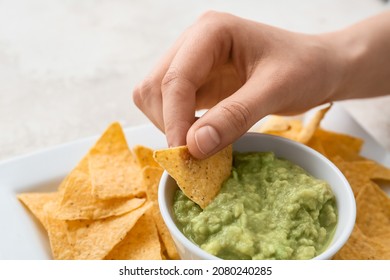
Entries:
{"x":207,"y":139}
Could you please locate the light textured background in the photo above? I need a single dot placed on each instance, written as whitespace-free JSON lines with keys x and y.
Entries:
{"x":67,"y":68}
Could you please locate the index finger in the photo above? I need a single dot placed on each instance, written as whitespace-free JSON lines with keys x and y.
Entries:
{"x":203,"y":50}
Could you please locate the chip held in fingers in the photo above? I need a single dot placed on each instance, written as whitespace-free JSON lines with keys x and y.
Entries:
{"x":200,"y":180}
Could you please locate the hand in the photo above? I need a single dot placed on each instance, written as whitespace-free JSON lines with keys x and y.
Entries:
{"x":241,"y":71}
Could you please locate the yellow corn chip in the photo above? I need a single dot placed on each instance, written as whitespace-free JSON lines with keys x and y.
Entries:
{"x":373,"y":211}
{"x":35,"y":202}
{"x":94,"y":239}
{"x":39,"y":204}
{"x":200,"y":180}
{"x":361,"y":247}
{"x":77,"y":201}
{"x":308,"y":130}
{"x":337,"y":144}
{"x":141,"y":243}
{"x":316,"y":144}
{"x":358,"y":180}
{"x":57,"y":231}
{"x":144,"y":156}
{"x":113,"y":169}
{"x":288,"y":128}
{"x":275,"y":123}
{"x":151,"y":178}
{"x":115,"y":176}
{"x":359,"y":173}
{"x":383,"y":239}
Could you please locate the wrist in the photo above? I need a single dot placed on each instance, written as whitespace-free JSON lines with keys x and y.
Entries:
{"x":346,"y":55}
{"x":363,"y":52}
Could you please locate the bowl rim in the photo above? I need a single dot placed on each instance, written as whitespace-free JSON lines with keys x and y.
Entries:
{"x":328,"y":253}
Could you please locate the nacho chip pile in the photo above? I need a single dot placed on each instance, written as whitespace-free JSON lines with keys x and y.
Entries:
{"x":370,"y":238}
{"x":106,"y":208}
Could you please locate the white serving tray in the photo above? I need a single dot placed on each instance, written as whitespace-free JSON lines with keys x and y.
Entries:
{"x":22,"y":236}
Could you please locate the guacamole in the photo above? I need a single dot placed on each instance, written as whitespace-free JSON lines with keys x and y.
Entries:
{"x":269,"y":208}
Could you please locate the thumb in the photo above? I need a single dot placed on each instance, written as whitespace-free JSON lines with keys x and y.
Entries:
{"x":226,"y":122}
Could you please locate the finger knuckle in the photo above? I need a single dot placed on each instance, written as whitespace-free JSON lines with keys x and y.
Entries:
{"x":216,"y":22}
{"x":137,"y":98}
{"x":142,"y":91}
{"x":237,"y":114}
{"x":176,"y":83}
{"x":209,"y":15}
{"x":171,"y":78}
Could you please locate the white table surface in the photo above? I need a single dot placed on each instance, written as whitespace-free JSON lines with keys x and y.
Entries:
{"x":67,"y":68}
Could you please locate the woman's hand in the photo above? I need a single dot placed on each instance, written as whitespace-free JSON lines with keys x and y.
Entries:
{"x":241,"y":71}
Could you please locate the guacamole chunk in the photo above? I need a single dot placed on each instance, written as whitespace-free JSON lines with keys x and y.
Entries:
{"x":269,"y":208}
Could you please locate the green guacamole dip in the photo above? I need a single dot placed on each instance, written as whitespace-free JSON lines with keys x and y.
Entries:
{"x":269,"y":208}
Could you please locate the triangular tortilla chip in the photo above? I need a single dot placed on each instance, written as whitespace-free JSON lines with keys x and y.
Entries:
{"x":40,"y":205}
{"x":141,"y":243}
{"x":94,"y":239}
{"x":77,"y":201}
{"x":308,"y":130}
{"x":373,"y":211}
{"x":361,"y":247}
{"x":316,"y":144}
{"x":35,"y":202}
{"x":293,"y":128}
{"x":360,"y":173}
{"x":151,"y":179}
{"x":275,"y":123}
{"x":144,"y":156}
{"x":200,"y":180}
{"x":113,"y":168}
{"x":337,"y":144}
{"x":279,"y":126}
{"x":57,"y":231}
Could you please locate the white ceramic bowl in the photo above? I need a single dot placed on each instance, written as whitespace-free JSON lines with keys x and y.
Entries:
{"x":312,"y":161}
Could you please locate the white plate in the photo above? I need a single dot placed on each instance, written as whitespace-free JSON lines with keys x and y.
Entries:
{"x":21,"y":235}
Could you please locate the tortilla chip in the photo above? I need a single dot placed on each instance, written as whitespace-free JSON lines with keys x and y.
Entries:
{"x":151,"y":178}
{"x":308,"y":130}
{"x":144,"y":156}
{"x":200,"y":180}
{"x":115,"y":176}
{"x":77,"y":201}
{"x":57,"y":231}
{"x":39,"y":204}
{"x":35,"y":202}
{"x":337,"y":144}
{"x":361,"y":247}
{"x":328,"y":143}
{"x":141,"y":243}
{"x":113,"y":169}
{"x":373,"y":211}
{"x":360,"y":173}
{"x":94,"y":239}
{"x":287,"y":128}
{"x":357,"y":180}
{"x":383,"y":239}
{"x":378,"y":171}
{"x":316,"y":144}
{"x":275,"y":123}
{"x":95,"y":209}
